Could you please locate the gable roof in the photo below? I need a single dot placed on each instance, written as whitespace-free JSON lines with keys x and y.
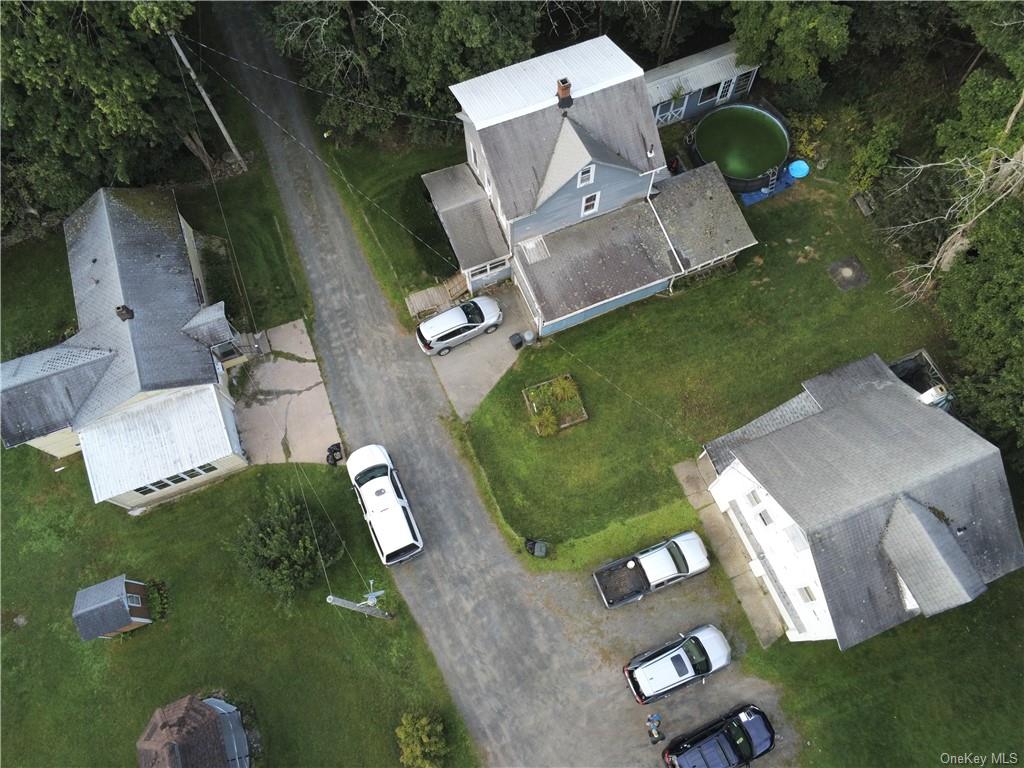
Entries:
{"x":695,"y":72}
{"x":126,"y":247}
{"x":844,"y":471}
{"x":187,"y":733}
{"x":209,"y":325}
{"x":574,"y":150}
{"x":610,"y":116}
{"x":43,"y":391}
{"x":530,"y":85}
{"x":101,"y":608}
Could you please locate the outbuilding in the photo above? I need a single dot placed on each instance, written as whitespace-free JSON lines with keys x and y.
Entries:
{"x":111,"y":608}
{"x":687,"y":88}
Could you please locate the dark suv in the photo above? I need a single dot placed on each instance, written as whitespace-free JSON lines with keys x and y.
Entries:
{"x":734,"y":739}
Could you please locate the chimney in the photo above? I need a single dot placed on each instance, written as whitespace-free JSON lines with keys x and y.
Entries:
{"x":564,"y":93}
{"x":124,"y":312}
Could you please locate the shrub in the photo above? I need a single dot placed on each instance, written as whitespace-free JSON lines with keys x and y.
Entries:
{"x":277,"y":548}
{"x":564,"y":389}
{"x":545,"y":422}
{"x":157,"y":599}
{"x":806,"y":128}
{"x":421,"y":741}
{"x":871,"y":158}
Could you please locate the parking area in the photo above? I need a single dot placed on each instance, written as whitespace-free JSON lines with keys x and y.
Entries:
{"x":470,"y":371}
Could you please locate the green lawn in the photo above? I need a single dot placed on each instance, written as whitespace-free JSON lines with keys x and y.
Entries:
{"x":328,"y":688}
{"x":28,"y":268}
{"x":415,"y":253}
{"x":701,"y":363}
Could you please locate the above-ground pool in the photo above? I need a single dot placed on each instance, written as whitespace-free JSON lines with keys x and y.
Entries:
{"x":746,"y":142}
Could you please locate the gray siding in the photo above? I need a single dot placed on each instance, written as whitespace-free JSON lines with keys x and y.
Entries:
{"x":562,"y":323}
{"x":692,"y":109}
{"x":492,"y":277}
{"x":617,"y":186}
{"x":482,"y":169}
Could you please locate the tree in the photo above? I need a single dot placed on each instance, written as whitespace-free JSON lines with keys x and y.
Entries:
{"x":421,"y":741}
{"x":280,"y":548}
{"x":982,"y":300}
{"x":91,"y":97}
{"x":790,"y":41}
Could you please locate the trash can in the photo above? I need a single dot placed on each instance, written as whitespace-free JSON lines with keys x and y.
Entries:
{"x":516,"y":340}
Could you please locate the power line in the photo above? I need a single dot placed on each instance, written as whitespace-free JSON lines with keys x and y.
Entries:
{"x":236,"y":270}
{"x":256,"y":68}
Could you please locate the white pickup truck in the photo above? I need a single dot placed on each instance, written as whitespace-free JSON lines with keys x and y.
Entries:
{"x":630,"y":578}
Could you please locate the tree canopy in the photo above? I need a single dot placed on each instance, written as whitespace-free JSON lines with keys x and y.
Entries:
{"x":90,"y":98}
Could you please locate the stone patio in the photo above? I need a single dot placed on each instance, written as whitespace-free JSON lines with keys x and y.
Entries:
{"x":729,"y":550}
{"x":283,"y":411}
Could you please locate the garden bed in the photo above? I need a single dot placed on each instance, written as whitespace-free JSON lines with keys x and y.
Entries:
{"x":554,"y":405}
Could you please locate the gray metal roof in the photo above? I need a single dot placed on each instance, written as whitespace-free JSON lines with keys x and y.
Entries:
{"x":520,"y":150}
{"x":466,"y":215}
{"x":101,"y":608}
{"x":40,"y":393}
{"x":125,"y":248}
{"x":692,"y":73}
{"x":839,"y":472}
{"x":595,"y":260}
{"x":924,"y":552}
{"x":209,"y":325}
{"x":531,"y":85}
{"x":701,"y":217}
{"x":236,"y":743}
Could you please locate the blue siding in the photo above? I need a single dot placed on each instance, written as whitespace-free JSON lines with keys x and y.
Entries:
{"x":589,"y":314}
{"x":617,"y":186}
{"x":476,"y":283}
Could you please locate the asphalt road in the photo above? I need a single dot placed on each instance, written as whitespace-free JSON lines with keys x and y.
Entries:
{"x":533,"y":662}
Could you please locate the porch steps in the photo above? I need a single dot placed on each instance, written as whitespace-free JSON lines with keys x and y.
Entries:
{"x":436,"y":297}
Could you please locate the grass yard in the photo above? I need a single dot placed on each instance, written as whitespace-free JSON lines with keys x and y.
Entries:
{"x":699,"y":364}
{"x":391,"y":179}
{"x":327,"y":687}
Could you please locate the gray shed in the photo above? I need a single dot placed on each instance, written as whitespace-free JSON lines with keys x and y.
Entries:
{"x":109,"y":608}
{"x":687,"y":88}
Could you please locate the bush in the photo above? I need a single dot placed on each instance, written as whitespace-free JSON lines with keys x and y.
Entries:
{"x":871,"y":158}
{"x":421,"y":741}
{"x":277,"y":547}
{"x":806,"y":128}
{"x":546,"y":422}
{"x":564,"y":389}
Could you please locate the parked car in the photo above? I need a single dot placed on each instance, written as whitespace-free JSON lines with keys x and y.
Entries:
{"x":441,"y":333}
{"x":630,"y":578}
{"x":734,"y":739}
{"x":685,"y":659}
{"x":385,"y":506}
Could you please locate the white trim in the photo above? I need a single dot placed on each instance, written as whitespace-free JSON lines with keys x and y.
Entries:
{"x":672,"y":278}
{"x":597,"y":204}
{"x":138,"y":598}
{"x":714,"y":98}
{"x":535,"y":307}
{"x":590,"y":177}
{"x":610,"y":298}
{"x":472,"y":156}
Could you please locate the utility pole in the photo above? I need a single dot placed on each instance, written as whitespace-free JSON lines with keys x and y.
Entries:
{"x":209,"y":104}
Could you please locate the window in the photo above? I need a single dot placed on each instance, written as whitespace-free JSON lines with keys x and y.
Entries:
{"x":753,"y":498}
{"x":135,"y":600}
{"x":191,"y":473}
{"x":176,"y":479}
{"x":590,"y":203}
{"x":144,"y":490}
{"x":452,"y":334}
{"x":584,"y":177}
{"x":487,"y":183}
{"x":207,"y":468}
{"x":765,"y":517}
{"x":796,"y":538}
{"x":398,"y":485}
{"x":708,"y":94}
{"x":160,"y":485}
{"x":806,"y":594}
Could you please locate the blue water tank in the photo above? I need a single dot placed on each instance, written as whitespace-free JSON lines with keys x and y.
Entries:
{"x":798,"y":169}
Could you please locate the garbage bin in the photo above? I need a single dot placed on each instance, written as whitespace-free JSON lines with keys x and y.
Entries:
{"x":516,"y":340}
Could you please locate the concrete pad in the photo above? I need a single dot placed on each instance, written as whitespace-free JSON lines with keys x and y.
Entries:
{"x":760,"y":610}
{"x":471,"y":370}
{"x":724,"y":542}
{"x":284,"y":413}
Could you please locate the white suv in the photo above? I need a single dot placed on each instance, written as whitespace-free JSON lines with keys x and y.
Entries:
{"x":385,"y":507}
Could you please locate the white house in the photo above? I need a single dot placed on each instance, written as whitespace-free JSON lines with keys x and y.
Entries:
{"x":140,"y":389}
{"x":860,"y":506}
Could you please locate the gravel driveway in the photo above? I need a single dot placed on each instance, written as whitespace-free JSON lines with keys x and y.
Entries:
{"x":533,"y":663}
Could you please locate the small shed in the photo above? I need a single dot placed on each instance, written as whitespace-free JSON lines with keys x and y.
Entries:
{"x":687,"y":88}
{"x":111,"y":608}
{"x":194,"y":733}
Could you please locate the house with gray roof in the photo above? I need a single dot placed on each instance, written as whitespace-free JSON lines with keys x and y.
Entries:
{"x":565,"y":189}
{"x":194,"y":733}
{"x":861,"y":505}
{"x":140,"y":389}
{"x":111,"y":608}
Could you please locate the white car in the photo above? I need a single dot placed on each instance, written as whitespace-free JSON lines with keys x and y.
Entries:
{"x":439,"y":334}
{"x":385,"y":506}
{"x":685,"y":659}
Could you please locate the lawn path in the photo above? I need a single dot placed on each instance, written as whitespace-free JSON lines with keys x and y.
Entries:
{"x":536,"y":680}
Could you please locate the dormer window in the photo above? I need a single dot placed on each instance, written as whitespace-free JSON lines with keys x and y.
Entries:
{"x":590,"y":203}
{"x":584,"y":177}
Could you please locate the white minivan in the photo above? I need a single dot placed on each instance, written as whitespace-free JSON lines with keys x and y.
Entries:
{"x":385,"y":506}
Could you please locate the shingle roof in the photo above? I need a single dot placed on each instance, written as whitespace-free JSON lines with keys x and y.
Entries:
{"x":842,"y":473}
{"x":125,"y":248}
{"x":692,"y":73}
{"x":101,"y":608}
{"x":574,"y":149}
{"x":185,"y":734}
{"x":520,"y":150}
{"x":209,"y":325}
{"x":466,"y":215}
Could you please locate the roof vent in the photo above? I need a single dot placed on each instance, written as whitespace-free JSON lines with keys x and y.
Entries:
{"x":564,"y":93}
{"x":125,"y":312}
